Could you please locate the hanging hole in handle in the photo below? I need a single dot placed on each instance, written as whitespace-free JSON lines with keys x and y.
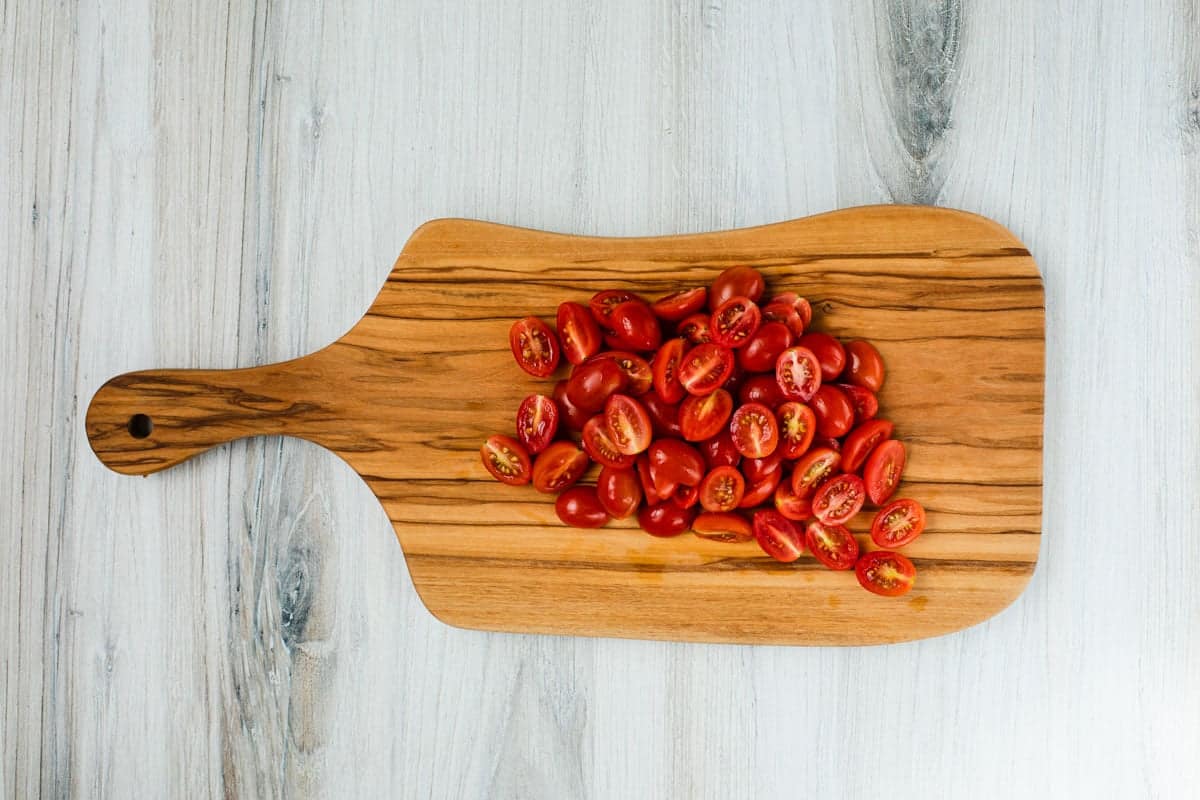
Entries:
{"x":140,"y":426}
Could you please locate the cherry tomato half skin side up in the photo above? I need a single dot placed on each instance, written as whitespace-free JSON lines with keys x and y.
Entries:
{"x":861,"y":441}
{"x":592,"y":383}
{"x":866,"y":404}
{"x":897,"y":524}
{"x":578,"y":332}
{"x":883,"y":470}
{"x":635,"y":326}
{"x":620,"y":491}
{"x":832,"y":545}
{"x":558,"y":467}
{"x":864,"y":365}
{"x":534,"y":346}
{"x":537,"y":422}
{"x":736,"y":282}
{"x":829,"y":352}
{"x":665,"y":367}
{"x":778,"y":536}
{"x":885,"y":573}
{"x":665,"y":519}
{"x":580,"y":507}
{"x":833,"y":410}
{"x":762,"y":350}
{"x":506,"y":459}
{"x":572,"y":416}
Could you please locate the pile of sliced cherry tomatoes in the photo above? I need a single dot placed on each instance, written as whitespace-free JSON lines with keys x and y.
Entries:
{"x":708,"y":411}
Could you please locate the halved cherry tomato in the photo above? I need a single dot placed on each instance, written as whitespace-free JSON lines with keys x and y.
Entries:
{"x":628,"y":424}
{"x":573,"y":416}
{"x":762,"y":350}
{"x":578,"y":332}
{"x":593,"y":382}
{"x":558,"y":467}
{"x":738,"y":281}
{"x":797,"y":426}
{"x":599,"y":444}
{"x":898,"y":523}
{"x":778,"y":536}
{"x":827,"y":441}
{"x":665,"y":369}
{"x":755,"y":430}
{"x":705,"y":367}
{"x":833,"y":545}
{"x":678,"y":305}
{"x":665,"y":519}
{"x":883,"y":469}
{"x":886,"y":573}
{"x":534,"y":346}
{"x":722,"y":489}
{"x":784,"y":315}
{"x":829,"y":352}
{"x":664,"y":416}
{"x":674,"y":463}
{"x":832,"y":408}
{"x":620,"y":491}
{"x":695,"y":329}
{"x":790,"y":504}
{"x":720,"y":451}
{"x":755,"y":469}
{"x":861,"y":441}
{"x":798,"y":373}
{"x":636,"y":369}
{"x":801,"y":306}
{"x":506,"y":459}
{"x":839,"y":499}
{"x":634,"y":326}
{"x":864,"y":365}
{"x":537,"y":422}
{"x":580,"y":507}
{"x":734,"y":322}
{"x":642,"y":465}
{"x":685,"y":496}
{"x":602,"y":304}
{"x":761,"y":490}
{"x":762,"y":389}
{"x":813,"y":469}
{"x":866,"y":405}
{"x":722,"y":526}
{"x":703,"y":417}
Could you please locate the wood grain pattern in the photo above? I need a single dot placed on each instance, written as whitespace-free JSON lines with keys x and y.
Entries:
{"x":407,"y":395}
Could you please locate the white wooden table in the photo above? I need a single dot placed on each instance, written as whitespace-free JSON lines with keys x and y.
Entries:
{"x":225,"y":184}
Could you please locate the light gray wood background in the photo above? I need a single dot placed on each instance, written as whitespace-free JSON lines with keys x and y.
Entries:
{"x":224,"y":184}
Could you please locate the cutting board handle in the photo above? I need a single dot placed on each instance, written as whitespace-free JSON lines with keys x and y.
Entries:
{"x":142,"y":422}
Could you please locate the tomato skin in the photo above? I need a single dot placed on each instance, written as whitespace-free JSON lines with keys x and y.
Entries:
{"x":642,"y":467}
{"x":832,"y":545}
{"x":720,"y":451}
{"x":734,"y":322}
{"x":813,"y":469}
{"x":738,"y":281}
{"x":762,"y":350}
{"x":761,"y":389}
{"x":883,"y":470}
{"x":755,"y":469}
{"x":506,"y":459}
{"x":798,"y":373}
{"x":778,"y":536}
{"x":570,"y":415}
{"x":755,"y":430}
{"x":534,"y":346}
{"x":637,"y":370}
{"x":665,"y":519}
{"x":829,"y":352}
{"x":580,"y":507}
{"x":634,"y":326}
{"x":897,"y":524}
{"x":600,"y":447}
{"x":628,"y":424}
{"x":758,"y":492}
{"x":703,"y":417}
{"x":722,"y":526}
{"x":790,"y":504}
{"x":602,"y":304}
{"x":832,"y":408}
{"x":839,"y":499}
{"x":674,"y":463}
{"x":678,"y":305}
{"x":558,"y":467}
{"x":722,"y":489}
{"x":619,"y":491}
{"x":685,"y":496}
{"x":785,"y":315}
{"x":577,"y":331}
{"x":885,"y":573}
{"x":593,"y":382}
{"x":861,"y":441}
{"x":537,"y":422}
{"x":798,"y":304}
{"x":866,"y":404}
{"x":797,"y":427}
{"x":695,"y":329}
{"x":864,"y":365}
{"x":664,"y":416}
{"x":705,"y":367}
{"x":665,"y":368}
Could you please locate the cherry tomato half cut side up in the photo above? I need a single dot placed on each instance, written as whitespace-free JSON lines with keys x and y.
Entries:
{"x":665,"y":369}
{"x":778,"y":536}
{"x":866,"y":404}
{"x":814,"y":468}
{"x":537,"y":422}
{"x":665,"y":519}
{"x":886,"y":573}
{"x":722,"y":489}
{"x":534,"y":346}
{"x":599,"y":445}
{"x":558,"y":467}
{"x":620,"y":491}
{"x":628,"y":424}
{"x":506,"y":459}
{"x":864,"y":365}
{"x":798,"y":373}
{"x":883,"y":469}
{"x":736,"y":282}
{"x":602,"y":304}
{"x":797,"y":426}
{"x":722,"y":526}
{"x":829,"y":352}
{"x":705,"y":367}
{"x":695,"y":329}
{"x":734,"y":322}
{"x":832,"y":545}
{"x":755,"y":430}
{"x":578,"y":332}
{"x":897,"y":524}
{"x":861,"y":441}
{"x":580,"y":507}
{"x":837,"y":500}
{"x":703,"y":417}
{"x":790,"y":504}
{"x":678,"y":305}
{"x":832,"y":408}
{"x":634,"y":326}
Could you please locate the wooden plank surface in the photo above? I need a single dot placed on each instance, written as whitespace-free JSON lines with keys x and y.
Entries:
{"x":227,"y":185}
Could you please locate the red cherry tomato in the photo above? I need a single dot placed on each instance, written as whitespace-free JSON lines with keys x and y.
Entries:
{"x":829,"y":352}
{"x":678,"y":305}
{"x":797,"y":426}
{"x":572,"y":416}
{"x":664,"y":416}
{"x":578,"y":332}
{"x":762,"y":350}
{"x":861,"y":441}
{"x":760,"y":491}
{"x":580,"y":507}
{"x":558,"y":467}
{"x":506,"y":459}
{"x":761,"y":389}
{"x":705,"y":367}
{"x":537,"y":422}
{"x":720,"y":451}
{"x":637,"y":370}
{"x":685,"y":496}
{"x":798,"y":304}
{"x":665,"y":519}
{"x":833,"y":545}
{"x":620,"y":491}
{"x":593,"y":382}
{"x":864,"y":365}
{"x":784,"y":315}
{"x":883,"y":469}
{"x":634,"y":326}
{"x":599,"y":444}
{"x":642,"y":466}
{"x":534,"y":346}
{"x":866,"y":405}
{"x":755,"y":430}
{"x":778,"y":536}
{"x":832,"y":408}
{"x":674,"y":463}
{"x":814,"y":468}
{"x":703,"y":417}
{"x":733,"y":384}
{"x":665,"y":369}
{"x":755,"y":469}
{"x":798,"y":373}
{"x":722,"y":526}
{"x":602,"y":304}
{"x":790,"y":504}
{"x":886,"y":573}
{"x":736,"y":282}
{"x":898,"y":523}
{"x":827,"y":441}
{"x":734,"y":322}
{"x":722,"y":489}
{"x":839,"y":499}
{"x":695,"y":329}
{"x":628,"y":424}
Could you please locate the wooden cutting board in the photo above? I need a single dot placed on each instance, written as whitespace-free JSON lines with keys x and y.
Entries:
{"x":953,"y":301}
